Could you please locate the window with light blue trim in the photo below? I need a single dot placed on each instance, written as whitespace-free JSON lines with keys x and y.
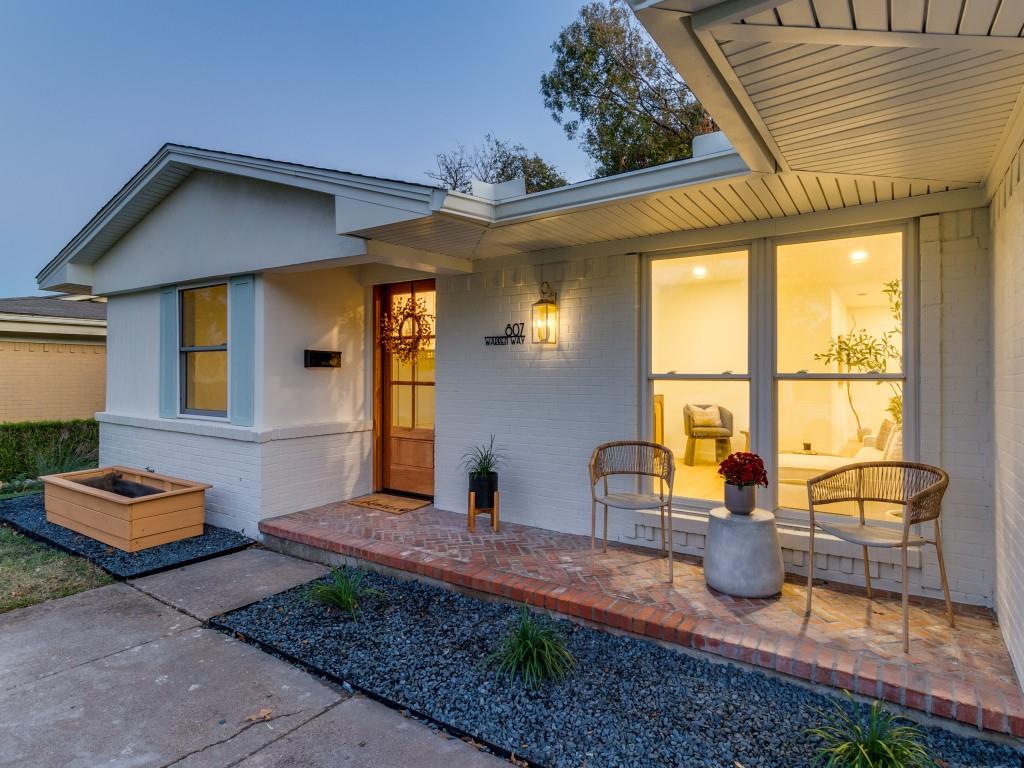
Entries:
{"x":242,"y":351}
{"x":208,"y":350}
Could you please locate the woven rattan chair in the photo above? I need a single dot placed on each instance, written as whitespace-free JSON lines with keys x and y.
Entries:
{"x":642,"y":459}
{"x":917,"y":487}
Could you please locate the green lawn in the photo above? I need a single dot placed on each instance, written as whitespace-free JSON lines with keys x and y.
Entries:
{"x":31,"y":572}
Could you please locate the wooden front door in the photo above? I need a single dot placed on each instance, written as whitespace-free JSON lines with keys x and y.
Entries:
{"x":406,"y":399}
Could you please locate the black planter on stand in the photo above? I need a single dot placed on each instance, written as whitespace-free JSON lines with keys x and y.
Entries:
{"x":483,"y":498}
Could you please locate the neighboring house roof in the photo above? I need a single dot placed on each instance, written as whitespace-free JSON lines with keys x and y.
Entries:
{"x":55,"y":306}
{"x":925,"y":94}
{"x":57,"y":318}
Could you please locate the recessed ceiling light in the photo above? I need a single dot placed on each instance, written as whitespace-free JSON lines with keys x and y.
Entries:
{"x":700,"y":272}
{"x":858,"y":257}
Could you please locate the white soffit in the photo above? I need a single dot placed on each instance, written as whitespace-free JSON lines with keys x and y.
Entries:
{"x":907,"y":89}
{"x":746,"y":198}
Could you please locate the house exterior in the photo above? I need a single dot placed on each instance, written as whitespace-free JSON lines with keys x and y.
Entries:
{"x":52,"y":357}
{"x":864,"y":191}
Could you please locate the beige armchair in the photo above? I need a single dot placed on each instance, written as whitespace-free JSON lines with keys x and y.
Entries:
{"x":918,"y":488}
{"x":722,"y":435}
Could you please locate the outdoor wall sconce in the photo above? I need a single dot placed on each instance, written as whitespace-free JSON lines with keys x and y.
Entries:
{"x":545,"y":316}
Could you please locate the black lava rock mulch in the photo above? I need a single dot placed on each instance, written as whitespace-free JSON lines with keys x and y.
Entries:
{"x":628,"y":702}
{"x":26,"y":514}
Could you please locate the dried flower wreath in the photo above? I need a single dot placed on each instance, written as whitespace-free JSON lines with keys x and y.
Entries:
{"x":406,"y":329}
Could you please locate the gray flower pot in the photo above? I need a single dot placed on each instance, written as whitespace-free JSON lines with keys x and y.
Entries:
{"x":740,"y":499}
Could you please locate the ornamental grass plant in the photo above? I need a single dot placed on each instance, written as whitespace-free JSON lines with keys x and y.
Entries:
{"x":344,"y":592}
{"x":533,"y":651}
{"x":880,"y":739}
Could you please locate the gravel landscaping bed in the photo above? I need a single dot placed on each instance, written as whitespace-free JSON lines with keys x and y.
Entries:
{"x":26,"y":514}
{"x":628,"y":702}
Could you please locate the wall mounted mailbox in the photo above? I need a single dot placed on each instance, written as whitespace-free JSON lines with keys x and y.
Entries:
{"x":321,"y":358}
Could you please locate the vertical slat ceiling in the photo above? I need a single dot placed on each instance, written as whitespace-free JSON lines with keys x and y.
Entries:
{"x":1003,"y":18}
{"x":734,"y":201}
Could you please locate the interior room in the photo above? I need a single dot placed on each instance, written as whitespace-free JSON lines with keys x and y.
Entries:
{"x":838,"y":377}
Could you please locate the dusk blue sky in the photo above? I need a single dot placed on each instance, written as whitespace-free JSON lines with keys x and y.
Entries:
{"x":90,"y":90}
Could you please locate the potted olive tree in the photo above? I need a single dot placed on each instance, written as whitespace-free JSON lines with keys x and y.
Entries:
{"x":481,"y":462}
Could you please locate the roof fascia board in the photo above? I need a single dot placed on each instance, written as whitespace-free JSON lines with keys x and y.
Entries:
{"x":77,"y":278}
{"x":673,"y":33}
{"x":1009,"y":143}
{"x":317,"y":180}
{"x":857,"y":215}
{"x":13,"y":317}
{"x":865,"y":38}
{"x":603,"y":191}
{"x":739,"y":92}
{"x":729,"y":11}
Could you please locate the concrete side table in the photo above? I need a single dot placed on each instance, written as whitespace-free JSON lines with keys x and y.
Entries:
{"x":742,"y":555}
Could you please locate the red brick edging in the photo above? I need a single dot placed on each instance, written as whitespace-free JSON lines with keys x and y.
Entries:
{"x":941,"y":696}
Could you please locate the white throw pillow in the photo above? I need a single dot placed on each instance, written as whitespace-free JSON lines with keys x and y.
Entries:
{"x":706,"y":417}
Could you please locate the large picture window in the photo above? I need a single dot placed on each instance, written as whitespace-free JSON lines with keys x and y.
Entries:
{"x":794,"y":350}
{"x":839,"y":358}
{"x":204,"y":350}
{"x":699,"y":364}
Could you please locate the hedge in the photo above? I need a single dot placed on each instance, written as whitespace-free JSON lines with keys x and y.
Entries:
{"x":36,"y":447}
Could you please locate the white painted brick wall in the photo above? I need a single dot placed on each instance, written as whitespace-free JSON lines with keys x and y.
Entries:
{"x":956,"y":396}
{"x":550,"y":407}
{"x":299,"y":473}
{"x":232,"y":467}
{"x":251,"y":480}
{"x":1008,"y":394}
{"x":547,"y":407}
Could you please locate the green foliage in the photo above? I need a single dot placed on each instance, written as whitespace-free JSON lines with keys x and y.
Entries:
{"x":31,"y":449}
{"x":345,"y":592}
{"x":861,"y":352}
{"x":612,"y":88}
{"x":881,"y":740}
{"x":495,"y":161}
{"x":481,"y":460}
{"x":533,"y":651}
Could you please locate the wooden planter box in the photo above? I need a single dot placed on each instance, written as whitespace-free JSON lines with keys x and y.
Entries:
{"x":126,"y":508}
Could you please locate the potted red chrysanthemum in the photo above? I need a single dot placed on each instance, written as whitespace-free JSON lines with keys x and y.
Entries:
{"x":743,"y":472}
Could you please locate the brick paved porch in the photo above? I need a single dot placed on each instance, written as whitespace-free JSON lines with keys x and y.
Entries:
{"x":849,"y":642}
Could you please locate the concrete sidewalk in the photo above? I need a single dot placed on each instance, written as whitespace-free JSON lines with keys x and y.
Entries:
{"x":114,"y":677}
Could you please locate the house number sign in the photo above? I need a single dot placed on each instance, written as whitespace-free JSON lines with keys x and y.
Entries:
{"x":515,"y":333}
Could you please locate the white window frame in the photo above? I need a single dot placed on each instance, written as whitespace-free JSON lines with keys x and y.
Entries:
{"x":762,"y":376}
{"x":651,"y":376}
{"x":200,"y":415}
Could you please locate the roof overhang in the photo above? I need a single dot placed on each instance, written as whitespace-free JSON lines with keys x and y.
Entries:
{"x":408,"y":225}
{"x":871,"y":89}
{"x":357,"y":199}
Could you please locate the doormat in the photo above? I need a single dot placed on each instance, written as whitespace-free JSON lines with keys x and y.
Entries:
{"x":396,"y":505}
